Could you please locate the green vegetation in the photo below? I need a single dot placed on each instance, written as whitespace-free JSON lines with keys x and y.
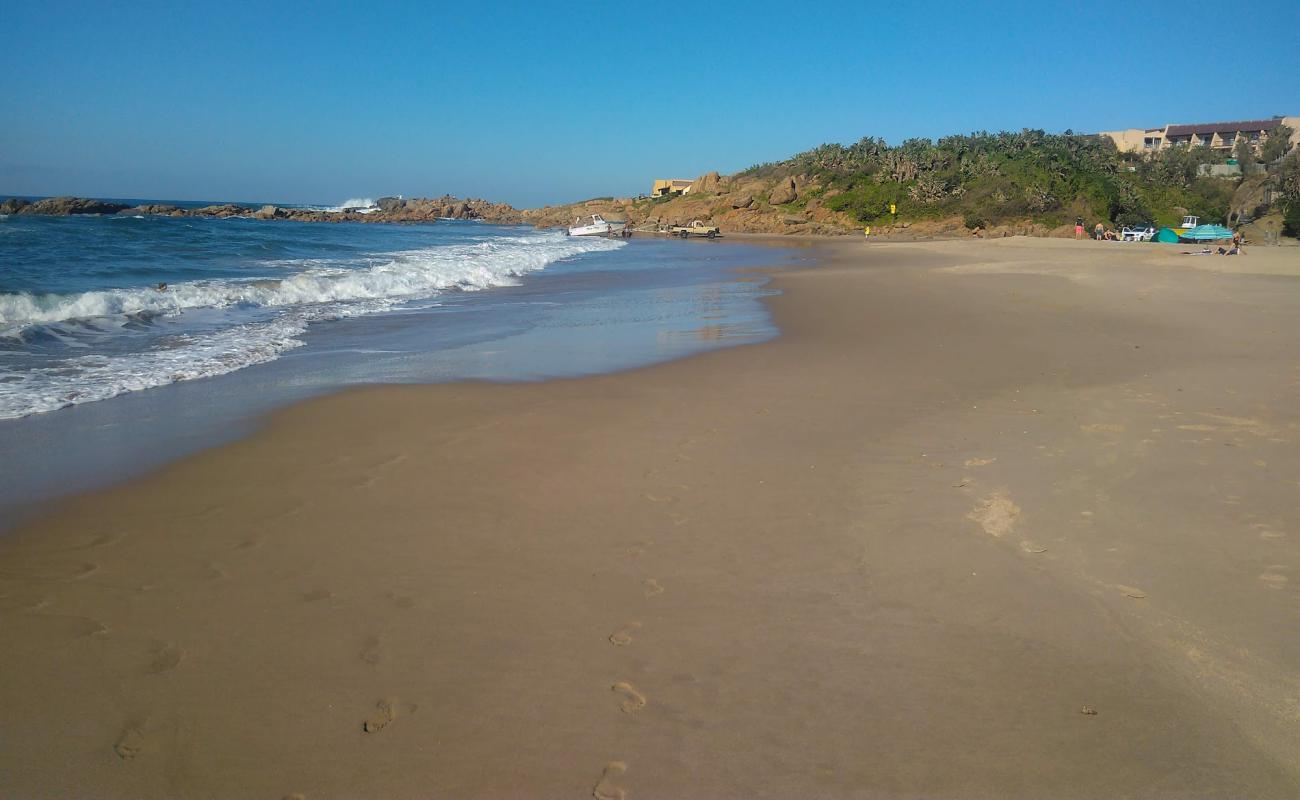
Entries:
{"x":992,"y":178}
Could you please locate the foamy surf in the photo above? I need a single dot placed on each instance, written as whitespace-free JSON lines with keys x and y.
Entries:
{"x":202,"y":328}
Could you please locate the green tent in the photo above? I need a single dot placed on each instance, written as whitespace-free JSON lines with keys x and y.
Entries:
{"x":1167,"y":236}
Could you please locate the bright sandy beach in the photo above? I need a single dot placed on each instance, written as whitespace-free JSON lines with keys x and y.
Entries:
{"x":1008,"y":518}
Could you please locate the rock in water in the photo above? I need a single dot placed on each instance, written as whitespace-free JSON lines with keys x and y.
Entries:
{"x":65,"y":206}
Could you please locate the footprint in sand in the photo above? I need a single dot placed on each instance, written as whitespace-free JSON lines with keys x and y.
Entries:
{"x":19,"y":603}
{"x":652,"y":587}
{"x":52,"y":571}
{"x":372,"y":650}
{"x":606,"y":789}
{"x":633,"y":701}
{"x":1267,"y":531}
{"x":401,"y":600}
{"x":678,"y":519}
{"x":35,"y":629}
{"x":391,"y":462}
{"x":1102,"y":427}
{"x":1032,"y":547}
{"x":654,"y":498}
{"x":623,"y":636}
{"x":96,"y":542}
{"x":248,"y":544}
{"x":996,"y":514}
{"x":1274,"y":580}
{"x":131,"y":741}
{"x":315,"y":595}
{"x":1131,"y":591}
{"x":979,"y":462}
{"x":385,"y":714}
{"x":164,"y":658}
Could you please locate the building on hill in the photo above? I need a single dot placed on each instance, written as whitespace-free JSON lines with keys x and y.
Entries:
{"x":667,"y":186}
{"x":1214,"y":135}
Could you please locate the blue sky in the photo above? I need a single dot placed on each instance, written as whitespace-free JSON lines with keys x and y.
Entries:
{"x":534,"y":103}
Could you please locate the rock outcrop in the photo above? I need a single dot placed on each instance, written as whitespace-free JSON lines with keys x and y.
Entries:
{"x":391,"y":209}
{"x":221,"y":210}
{"x":783,"y":192}
{"x":153,"y":209}
{"x":66,"y":206}
{"x":708,"y":183}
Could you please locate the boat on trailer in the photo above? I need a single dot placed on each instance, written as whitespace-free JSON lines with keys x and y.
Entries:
{"x":596,"y":225}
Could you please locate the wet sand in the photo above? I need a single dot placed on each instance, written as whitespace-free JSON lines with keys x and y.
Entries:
{"x":1012,"y":518}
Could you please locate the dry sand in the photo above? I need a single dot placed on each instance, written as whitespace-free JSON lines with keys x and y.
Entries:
{"x":1012,"y":518}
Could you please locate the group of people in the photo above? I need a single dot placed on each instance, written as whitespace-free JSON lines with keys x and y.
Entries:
{"x":1099,"y":231}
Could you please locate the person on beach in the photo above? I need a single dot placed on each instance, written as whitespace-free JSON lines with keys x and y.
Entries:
{"x":1078,"y":227}
{"x":1098,"y":231}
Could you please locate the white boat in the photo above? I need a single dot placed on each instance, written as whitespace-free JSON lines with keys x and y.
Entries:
{"x":596,"y":225}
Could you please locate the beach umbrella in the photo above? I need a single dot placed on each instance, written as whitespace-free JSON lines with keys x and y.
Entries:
{"x":1167,"y":235}
{"x":1207,"y":233}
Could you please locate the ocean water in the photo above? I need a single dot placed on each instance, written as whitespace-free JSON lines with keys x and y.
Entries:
{"x":103,"y":374}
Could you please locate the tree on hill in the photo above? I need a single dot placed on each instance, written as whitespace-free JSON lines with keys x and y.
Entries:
{"x":1277,"y":145}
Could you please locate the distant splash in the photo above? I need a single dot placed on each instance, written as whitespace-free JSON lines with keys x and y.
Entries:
{"x":257,"y":319}
{"x":363,"y":205}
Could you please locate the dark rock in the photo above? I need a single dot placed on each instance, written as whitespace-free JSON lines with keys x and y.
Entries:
{"x":222,"y":210}
{"x":13,"y":205}
{"x":65,"y":206}
{"x":153,"y":209}
{"x":269,"y":212}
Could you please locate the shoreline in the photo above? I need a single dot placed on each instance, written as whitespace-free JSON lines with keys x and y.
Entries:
{"x":973,"y":490}
{"x":647,"y":315}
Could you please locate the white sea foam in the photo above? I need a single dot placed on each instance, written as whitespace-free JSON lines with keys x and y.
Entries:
{"x":319,"y":291}
{"x":395,"y":276}
{"x":365,"y":205}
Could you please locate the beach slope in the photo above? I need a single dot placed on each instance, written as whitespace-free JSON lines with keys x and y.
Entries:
{"x":1005,"y":518}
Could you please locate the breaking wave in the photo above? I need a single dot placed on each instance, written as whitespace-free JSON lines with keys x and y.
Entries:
{"x":256,"y":319}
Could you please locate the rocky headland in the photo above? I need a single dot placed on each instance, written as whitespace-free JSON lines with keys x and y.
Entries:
{"x":390,"y":209}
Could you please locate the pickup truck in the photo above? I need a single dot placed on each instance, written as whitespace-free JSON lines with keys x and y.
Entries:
{"x":1137,"y":233}
{"x":696,"y":228}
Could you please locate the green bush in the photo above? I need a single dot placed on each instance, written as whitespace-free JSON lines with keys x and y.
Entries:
{"x":1291,"y":219}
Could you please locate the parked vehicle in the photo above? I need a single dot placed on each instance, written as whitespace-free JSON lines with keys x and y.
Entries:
{"x":1137,"y":233}
{"x":696,"y":228}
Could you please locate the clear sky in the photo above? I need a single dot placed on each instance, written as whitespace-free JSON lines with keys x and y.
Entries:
{"x":534,"y":103}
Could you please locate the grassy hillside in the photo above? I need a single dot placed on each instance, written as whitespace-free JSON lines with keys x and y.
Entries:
{"x":1027,"y":182}
{"x":997,"y":178}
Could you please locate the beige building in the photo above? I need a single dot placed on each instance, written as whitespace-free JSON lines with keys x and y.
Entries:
{"x":1215,"y":135}
{"x":668,"y":186}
